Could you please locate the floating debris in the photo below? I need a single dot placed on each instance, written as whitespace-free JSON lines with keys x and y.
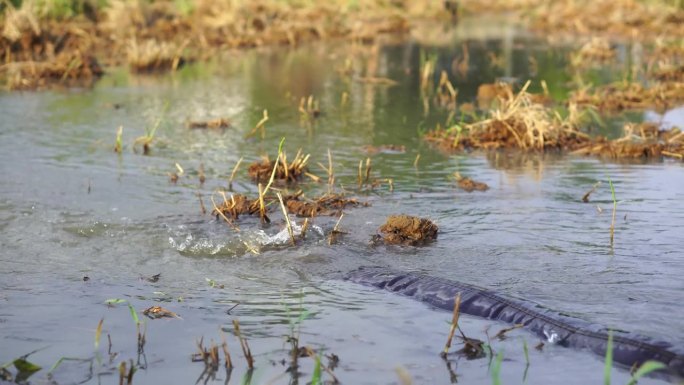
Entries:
{"x":156,"y":312}
{"x":154,"y":278}
{"x":469,"y":185}
{"x":384,"y":149}
{"x":585,"y":197}
{"x":472,"y":348}
{"x":214,"y":123}
{"x":408,"y":230}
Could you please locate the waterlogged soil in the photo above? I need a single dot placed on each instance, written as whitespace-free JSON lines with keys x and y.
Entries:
{"x":82,"y":224}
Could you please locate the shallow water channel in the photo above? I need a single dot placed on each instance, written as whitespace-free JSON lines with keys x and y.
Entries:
{"x":72,"y":208}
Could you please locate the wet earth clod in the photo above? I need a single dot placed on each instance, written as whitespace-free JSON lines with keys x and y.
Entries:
{"x":408,"y":230}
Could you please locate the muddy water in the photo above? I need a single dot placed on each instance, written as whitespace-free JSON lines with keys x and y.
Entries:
{"x":72,"y":208}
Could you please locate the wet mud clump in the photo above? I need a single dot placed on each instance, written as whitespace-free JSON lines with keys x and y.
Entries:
{"x":408,"y":230}
{"x":287,"y":172}
{"x":329,"y":204}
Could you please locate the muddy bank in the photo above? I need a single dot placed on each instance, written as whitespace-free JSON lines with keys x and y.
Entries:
{"x":622,"y":19}
{"x":42,"y":50}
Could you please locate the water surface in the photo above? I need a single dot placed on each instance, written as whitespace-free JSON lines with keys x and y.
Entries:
{"x":71,"y":208}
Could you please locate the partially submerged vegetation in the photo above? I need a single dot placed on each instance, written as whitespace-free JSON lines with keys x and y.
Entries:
{"x":287,"y":172}
{"x":522,"y":124}
{"x":517,"y":123}
{"x":631,"y":96}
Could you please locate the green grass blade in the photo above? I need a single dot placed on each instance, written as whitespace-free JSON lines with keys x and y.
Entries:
{"x":316,"y":376}
{"x":496,"y":369}
{"x":114,"y":301}
{"x":25,"y":367}
{"x":609,"y":359}
{"x":645,"y":369}
{"x":134,"y":314}
{"x":612,"y":191}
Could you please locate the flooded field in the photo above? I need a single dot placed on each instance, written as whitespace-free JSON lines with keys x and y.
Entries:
{"x":82,"y":224}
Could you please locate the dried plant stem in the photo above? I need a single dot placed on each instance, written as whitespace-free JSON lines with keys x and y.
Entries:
{"x":232,"y":174}
{"x":331,"y":176}
{"x":360,"y":176}
{"x":275,"y":167}
{"x":262,"y":206}
{"x":454,"y":324}
{"x":368,"y":169}
{"x":233,"y":225}
{"x":585,"y":197}
{"x":612,"y":223}
{"x":287,"y":218}
{"x":226,"y":353}
{"x":335,"y":230}
{"x":202,"y":208}
{"x":260,"y":126}
{"x":244,"y":345}
{"x":305,"y":227}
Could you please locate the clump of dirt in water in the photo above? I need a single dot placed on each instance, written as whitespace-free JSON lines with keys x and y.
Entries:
{"x":237,"y":205}
{"x":408,"y":230}
{"x":329,"y":204}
